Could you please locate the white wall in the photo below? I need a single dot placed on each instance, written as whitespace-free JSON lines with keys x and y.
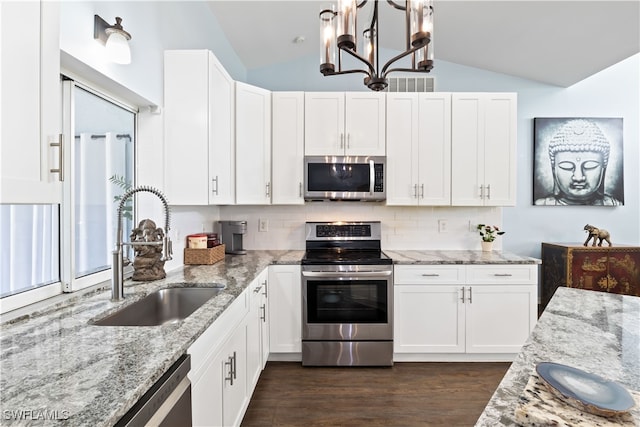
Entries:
{"x":154,"y":26}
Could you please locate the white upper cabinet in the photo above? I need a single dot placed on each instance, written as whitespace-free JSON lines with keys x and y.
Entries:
{"x":419,"y":149}
{"x":30,"y":110}
{"x":484,"y":137}
{"x":253,"y":145}
{"x":287,"y":147}
{"x":199,"y":129}
{"x":338,"y":123}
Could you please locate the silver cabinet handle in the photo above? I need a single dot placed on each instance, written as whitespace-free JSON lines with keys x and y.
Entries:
{"x":488,"y":191}
{"x":503,"y":274}
{"x":482,"y":191}
{"x":422,"y":191}
{"x":431,"y":275}
{"x":300,"y":185}
{"x":60,"y":169}
{"x":342,"y":140}
{"x":229,"y":363}
{"x":415,"y":191}
{"x":263,"y":316}
{"x":268,"y":189}
{"x":264,"y":284}
{"x":462,"y":299}
{"x":235,"y":370}
{"x":470,"y":295}
{"x":348,"y":141}
{"x":215,"y":187}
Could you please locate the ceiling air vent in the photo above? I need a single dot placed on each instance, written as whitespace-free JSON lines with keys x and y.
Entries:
{"x":410,"y":84}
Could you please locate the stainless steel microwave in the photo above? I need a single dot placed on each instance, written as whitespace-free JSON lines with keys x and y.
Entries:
{"x":358,"y":178}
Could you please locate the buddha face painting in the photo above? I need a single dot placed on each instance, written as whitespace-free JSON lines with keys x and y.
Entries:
{"x":578,"y":154}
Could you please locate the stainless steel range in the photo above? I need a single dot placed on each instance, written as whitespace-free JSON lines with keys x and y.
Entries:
{"x":347,"y":296}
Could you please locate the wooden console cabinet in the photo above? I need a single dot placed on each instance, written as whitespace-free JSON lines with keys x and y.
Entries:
{"x":614,"y":269}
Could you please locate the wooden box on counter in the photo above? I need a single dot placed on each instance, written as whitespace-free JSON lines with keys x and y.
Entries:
{"x":614,"y":269}
{"x":203,"y":256}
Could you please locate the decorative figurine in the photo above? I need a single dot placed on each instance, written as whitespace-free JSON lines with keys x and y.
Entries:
{"x":597,"y":234}
{"x":147,"y":264}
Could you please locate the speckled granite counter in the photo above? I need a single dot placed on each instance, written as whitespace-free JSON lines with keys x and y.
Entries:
{"x":593,"y":331}
{"x":56,"y":363}
{"x":457,"y":257}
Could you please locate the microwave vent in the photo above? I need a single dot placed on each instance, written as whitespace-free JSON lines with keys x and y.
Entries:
{"x":410,"y":84}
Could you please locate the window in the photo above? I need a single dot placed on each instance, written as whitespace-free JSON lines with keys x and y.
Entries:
{"x":44,"y":246}
{"x":102,"y":159}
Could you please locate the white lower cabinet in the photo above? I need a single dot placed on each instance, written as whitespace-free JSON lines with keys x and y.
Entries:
{"x":285,"y":312}
{"x":219,"y":369}
{"x":463,"y":312}
{"x":257,"y":329}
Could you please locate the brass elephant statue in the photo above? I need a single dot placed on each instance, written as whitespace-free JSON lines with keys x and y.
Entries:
{"x":597,"y":234}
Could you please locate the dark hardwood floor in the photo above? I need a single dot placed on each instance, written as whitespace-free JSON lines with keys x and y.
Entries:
{"x":407,"y":394}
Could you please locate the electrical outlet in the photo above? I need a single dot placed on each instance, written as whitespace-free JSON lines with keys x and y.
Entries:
{"x":263,"y":225}
{"x":443,"y":226}
{"x":472,"y":226}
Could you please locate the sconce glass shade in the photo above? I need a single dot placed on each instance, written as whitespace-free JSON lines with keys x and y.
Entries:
{"x":118,"y":49}
{"x":114,"y":38}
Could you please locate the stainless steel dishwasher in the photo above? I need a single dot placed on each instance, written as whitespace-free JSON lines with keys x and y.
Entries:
{"x":167,"y":403}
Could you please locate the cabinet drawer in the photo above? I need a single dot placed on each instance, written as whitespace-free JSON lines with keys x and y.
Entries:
{"x":506,"y":273}
{"x":422,"y":274}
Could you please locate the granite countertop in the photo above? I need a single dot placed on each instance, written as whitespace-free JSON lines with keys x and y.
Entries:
{"x":457,"y":257}
{"x":594,"y":331}
{"x":54,"y":362}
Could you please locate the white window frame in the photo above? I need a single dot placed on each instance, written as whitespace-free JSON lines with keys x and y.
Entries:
{"x":67,"y":216}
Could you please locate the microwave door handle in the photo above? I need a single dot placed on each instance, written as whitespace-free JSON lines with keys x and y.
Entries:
{"x":372,"y":177}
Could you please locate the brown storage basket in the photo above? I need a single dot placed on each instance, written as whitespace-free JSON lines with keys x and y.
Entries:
{"x":203,"y":256}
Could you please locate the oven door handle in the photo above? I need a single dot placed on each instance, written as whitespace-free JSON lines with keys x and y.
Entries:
{"x":345,"y":274}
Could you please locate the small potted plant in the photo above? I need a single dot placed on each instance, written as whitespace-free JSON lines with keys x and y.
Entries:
{"x":488,"y":233}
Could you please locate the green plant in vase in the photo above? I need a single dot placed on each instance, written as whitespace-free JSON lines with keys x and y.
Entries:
{"x":488,"y":234}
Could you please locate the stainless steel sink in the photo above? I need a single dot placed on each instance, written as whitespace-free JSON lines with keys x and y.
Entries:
{"x":161,"y":307}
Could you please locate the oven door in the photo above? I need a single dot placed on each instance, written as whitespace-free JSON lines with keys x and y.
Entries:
{"x":347,"y":305}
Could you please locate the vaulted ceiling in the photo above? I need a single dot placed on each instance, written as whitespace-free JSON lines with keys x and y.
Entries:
{"x":554,"y":42}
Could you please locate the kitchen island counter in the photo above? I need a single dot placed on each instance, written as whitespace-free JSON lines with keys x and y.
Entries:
{"x":55,"y":363}
{"x":457,"y":257}
{"x":594,"y":331}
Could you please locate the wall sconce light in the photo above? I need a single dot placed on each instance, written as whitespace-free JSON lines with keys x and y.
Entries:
{"x":114,"y":38}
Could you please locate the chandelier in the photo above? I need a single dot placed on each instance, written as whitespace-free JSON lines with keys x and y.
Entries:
{"x":338,"y":34}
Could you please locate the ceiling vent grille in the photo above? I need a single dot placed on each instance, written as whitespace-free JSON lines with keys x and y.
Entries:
{"x":410,"y":84}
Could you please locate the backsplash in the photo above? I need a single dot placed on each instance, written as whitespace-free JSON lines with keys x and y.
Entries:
{"x":402,"y":227}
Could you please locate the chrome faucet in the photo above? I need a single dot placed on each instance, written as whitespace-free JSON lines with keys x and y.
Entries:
{"x":117,"y":269}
